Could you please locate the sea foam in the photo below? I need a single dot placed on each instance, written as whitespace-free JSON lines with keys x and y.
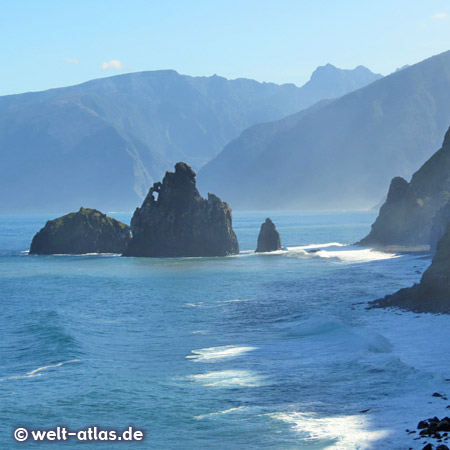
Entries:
{"x":228,"y":378}
{"x":339,"y":433}
{"x":215,"y":354}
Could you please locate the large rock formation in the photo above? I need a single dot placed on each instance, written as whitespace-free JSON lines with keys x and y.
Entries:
{"x":432,"y":294}
{"x":412,"y":213}
{"x":85,"y":231}
{"x":268,"y":238}
{"x":175,"y":220}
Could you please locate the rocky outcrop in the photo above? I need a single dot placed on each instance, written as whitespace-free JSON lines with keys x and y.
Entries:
{"x":439,"y":225}
{"x":433,"y":428}
{"x":412,"y":214}
{"x":432,"y":294}
{"x":175,"y":220}
{"x":268,"y":238}
{"x":85,"y":231}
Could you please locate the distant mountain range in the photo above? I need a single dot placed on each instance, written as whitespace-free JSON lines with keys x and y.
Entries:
{"x":104,"y":142}
{"x":339,"y":154}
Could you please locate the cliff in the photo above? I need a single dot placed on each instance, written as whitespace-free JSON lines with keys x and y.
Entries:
{"x":85,"y":231}
{"x":432,"y":294}
{"x":415,"y":213}
{"x":175,"y":220}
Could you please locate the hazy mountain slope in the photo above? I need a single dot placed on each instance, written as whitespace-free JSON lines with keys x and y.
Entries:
{"x":409,"y":213}
{"x":343,"y":154}
{"x":102,"y":143}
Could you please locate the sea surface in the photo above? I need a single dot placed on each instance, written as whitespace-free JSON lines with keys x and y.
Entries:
{"x":251,"y":351}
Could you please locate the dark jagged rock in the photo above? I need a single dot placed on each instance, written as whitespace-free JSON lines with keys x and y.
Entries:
{"x":268,"y":238}
{"x":416,"y":213}
{"x":85,"y":231}
{"x":432,"y":428}
{"x":432,"y":294}
{"x":175,"y":220}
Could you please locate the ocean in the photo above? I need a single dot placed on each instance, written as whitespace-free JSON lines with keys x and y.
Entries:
{"x":251,"y":351}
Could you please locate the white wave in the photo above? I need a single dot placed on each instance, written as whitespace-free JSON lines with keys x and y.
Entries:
{"x":200,"y":332}
{"x":195,"y":305}
{"x":246,"y":252}
{"x":328,"y":244}
{"x":345,"y":432}
{"x":228,"y":378}
{"x":37,"y":372}
{"x":25,"y":252}
{"x":294,"y":250}
{"x":40,"y":369}
{"x":274,"y":252}
{"x":344,"y":253}
{"x":214,"y":354}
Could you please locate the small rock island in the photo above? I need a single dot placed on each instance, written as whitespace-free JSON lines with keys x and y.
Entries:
{"x":175,"y":220}
{"x":268,"y":238}
{"x":85,"y":231}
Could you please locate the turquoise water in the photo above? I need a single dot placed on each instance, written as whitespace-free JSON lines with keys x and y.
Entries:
{"x":249,"y":351}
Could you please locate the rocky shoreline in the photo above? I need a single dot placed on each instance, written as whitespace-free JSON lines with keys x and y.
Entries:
{"x":434,"y":429}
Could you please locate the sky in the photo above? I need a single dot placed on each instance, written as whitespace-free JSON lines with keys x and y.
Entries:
{"x":48,"y":43}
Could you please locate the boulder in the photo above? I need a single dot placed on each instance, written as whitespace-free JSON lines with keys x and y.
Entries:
{"x":175,"y":220}
{"x":268,"y":238}
{"x":85,"y":231}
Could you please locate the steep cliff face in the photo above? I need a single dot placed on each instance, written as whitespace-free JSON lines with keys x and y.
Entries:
{"x":85,"y":231}
{"x":412,"y":213}
{"x":175,"y":220}
{"x":268,"y":238}
{"x":432,"y":294}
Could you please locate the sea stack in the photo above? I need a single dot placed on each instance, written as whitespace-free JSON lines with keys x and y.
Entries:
{"x":85,"y":231}
{"x":268,"y":238}
{"x":432,"y":294}
{"x":175,"y":220}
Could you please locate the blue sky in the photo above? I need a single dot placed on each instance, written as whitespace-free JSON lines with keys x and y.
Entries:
{"x":49,"y":43}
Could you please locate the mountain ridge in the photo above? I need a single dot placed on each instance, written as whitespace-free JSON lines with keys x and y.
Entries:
{"x":65,"y":146}
{"x":342,"y":155}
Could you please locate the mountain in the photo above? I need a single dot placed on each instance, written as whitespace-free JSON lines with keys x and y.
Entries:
{"x":104,"y":142}
{"x":416,"y":213}
{"x":332,"y":82}
{"x":341,"y":154}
